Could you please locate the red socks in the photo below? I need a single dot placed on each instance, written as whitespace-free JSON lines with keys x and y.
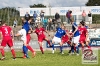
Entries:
{"x":2,"y":52}
{"x":30,"y":48}
{"x":89,"y":47}
{"x":42,"y":50}
{"x":48,"y":42}
{"x":13,"y":53}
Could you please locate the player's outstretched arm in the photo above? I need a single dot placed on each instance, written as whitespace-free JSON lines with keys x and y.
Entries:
{"x":30,"y":31}
{"x":47,"y":32}
{"x":12,"y":34}
{"x":67,"y":33}
{"x":75,"y":29}
{"x":87,"y":35}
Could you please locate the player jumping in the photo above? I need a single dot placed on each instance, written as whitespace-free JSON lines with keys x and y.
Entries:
{"x":25,"y":29}
{"x":75,"y":39}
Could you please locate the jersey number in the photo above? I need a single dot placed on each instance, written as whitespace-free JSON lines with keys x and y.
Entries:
{"x":6,"y":31}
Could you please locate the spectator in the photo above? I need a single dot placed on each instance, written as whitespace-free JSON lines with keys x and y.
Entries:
{"x":53,"y":21}
{"x":45,"y":22}
{"x":27,"y":16}
{"x":49,"y":24}
{"x":35,"y":16}
{"x":90,"y":17}
{"x":15,"y":23}
{"x":83,"y":16}
{"x":57,"y":16}
{"x":68,"y":15}
{"x":42,"y":16}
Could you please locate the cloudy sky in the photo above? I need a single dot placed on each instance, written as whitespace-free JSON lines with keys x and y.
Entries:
{"x":53,"y":3}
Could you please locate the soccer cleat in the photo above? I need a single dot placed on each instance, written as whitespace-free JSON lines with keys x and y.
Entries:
{"x":52,"y":51}
{"x":24,"y":57}
{"x":27,"y":56}
{"x":62,"y":53}
{"x":71,"y":53}
{"x":14,"y":58}
{"x":2,"y":58}
{"x":33,"y":54}
{"x":77,"y":54}
{"x":42,"y":52}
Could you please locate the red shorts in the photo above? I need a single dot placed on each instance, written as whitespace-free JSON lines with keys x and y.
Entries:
{"x":7,"y":41}
{"x":41,"y":38}
{"x":64,"y":41}
{"x":69,"y":42}
{"x":28,"y":37}
{"x":82,"y":39}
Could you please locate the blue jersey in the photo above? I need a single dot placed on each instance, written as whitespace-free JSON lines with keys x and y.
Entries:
{"x":73,"y":29}
{"x":26,"y":26}
{"x":60,"y":32}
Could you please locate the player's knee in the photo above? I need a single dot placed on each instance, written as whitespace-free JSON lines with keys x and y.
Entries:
{"x":11,"y":48}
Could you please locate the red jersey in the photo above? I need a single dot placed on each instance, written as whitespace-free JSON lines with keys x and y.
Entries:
{"x":40,"y":31}
{"x":83,"y":31}
{"x":6,"y":31}
{"x":65,"y":37}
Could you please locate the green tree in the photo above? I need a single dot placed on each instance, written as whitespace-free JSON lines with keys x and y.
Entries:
{"x":93,"y":3}
{"x":8,"y":14}
{"x":95,"y":18}
{"x":37,"y":6}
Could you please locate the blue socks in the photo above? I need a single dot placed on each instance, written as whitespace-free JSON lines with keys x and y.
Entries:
{"x":72,"y":49}
{"x":53,"y":46}
{"x":25,"y":50}
{"x":61,"y":49}
{"x":77,"y":49}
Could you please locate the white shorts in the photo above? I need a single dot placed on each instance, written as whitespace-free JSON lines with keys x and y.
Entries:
{"x":56,"y":40}
{"x":22,"y":32}
{"x":76,"y":39}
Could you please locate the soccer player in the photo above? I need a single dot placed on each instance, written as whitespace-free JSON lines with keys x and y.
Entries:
{"x":65,"y":38}
{"x":76,"y":36}
{"x":83,"y":35}
{"x":28,"y":37}
{"x":41,"y":36}
{"x":23,"y":32}
{"x":88,"y":40}
{"x":60,"y":31}
{"x":7,"y":39}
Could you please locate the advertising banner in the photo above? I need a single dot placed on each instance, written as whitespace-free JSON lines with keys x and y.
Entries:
{"x":93,"y":9}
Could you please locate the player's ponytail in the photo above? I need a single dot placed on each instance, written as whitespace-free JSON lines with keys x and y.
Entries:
{"x":83,"y":23}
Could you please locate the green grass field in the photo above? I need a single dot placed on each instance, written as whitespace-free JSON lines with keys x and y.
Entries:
{"x":47,"y":59}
